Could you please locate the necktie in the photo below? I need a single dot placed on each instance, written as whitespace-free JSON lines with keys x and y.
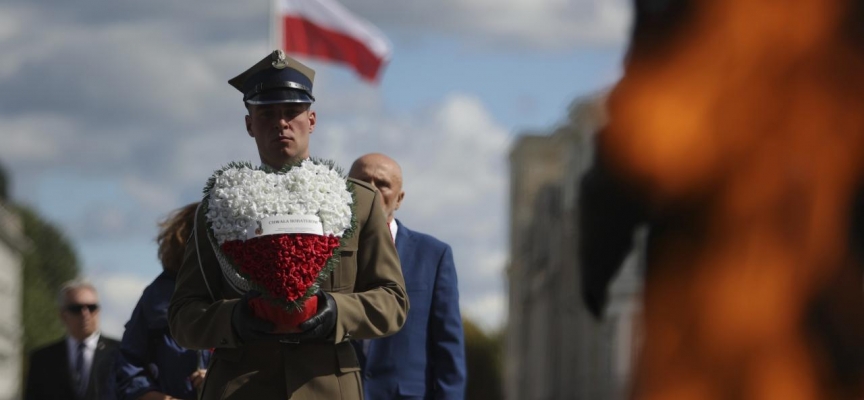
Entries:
{"x":80,"y":382}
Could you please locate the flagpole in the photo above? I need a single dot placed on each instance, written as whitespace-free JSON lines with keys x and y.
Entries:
{"x":275,"y":26}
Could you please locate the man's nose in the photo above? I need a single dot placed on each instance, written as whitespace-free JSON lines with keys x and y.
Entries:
{"x":284,"y":121}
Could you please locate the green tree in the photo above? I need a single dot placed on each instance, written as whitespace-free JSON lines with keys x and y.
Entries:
{"x":483,"y":356}
{"x":50,"y":262}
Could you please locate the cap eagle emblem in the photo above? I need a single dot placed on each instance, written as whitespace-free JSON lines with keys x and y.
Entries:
{"x":279,"y":62}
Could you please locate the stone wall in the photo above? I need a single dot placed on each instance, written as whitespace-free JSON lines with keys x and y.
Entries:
{"x":12,"y":245}
{"x":554,"y":348}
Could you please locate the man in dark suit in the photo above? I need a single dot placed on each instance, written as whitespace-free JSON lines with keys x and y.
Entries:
{"x":79,"y":365}
{"x":426,"y":359}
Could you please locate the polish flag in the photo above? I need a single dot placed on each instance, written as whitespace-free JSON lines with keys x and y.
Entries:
{"x":326,"y":30}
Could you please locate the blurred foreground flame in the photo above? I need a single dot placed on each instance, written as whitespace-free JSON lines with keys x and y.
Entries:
{"x":745,"y":118}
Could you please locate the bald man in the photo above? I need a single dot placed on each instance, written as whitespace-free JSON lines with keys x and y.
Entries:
{"x":426,"y":359}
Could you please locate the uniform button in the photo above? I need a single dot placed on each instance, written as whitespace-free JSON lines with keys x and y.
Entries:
{"x":368,"y":375}
{"x":223,"y":341}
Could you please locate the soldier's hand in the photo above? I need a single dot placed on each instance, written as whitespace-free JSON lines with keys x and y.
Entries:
{"x":320,"y":325}
{"x":246,"y":325}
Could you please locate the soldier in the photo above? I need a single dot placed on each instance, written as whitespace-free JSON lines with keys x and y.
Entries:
{"x":364,"y":298}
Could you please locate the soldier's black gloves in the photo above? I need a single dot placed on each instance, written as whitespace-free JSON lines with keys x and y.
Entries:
{"x":322,"y":324}
{"x":246,"y":325}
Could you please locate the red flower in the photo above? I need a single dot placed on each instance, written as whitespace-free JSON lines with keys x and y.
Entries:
{"x":285,"y":266}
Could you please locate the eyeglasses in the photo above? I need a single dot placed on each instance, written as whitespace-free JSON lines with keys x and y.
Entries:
{"x":78,"y":308}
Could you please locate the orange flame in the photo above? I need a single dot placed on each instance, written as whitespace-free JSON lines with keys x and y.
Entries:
{"x":749,"y":124}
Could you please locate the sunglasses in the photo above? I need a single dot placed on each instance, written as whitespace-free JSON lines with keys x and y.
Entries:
{"x":78,"y":308}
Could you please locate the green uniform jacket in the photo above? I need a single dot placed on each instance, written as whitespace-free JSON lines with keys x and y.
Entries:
{"x":370,"y":300}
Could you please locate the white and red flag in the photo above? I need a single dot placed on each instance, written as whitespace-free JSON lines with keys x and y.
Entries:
{"x":326,"y":30}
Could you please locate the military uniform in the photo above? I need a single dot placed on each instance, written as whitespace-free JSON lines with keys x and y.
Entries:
{"x":371,"y":302}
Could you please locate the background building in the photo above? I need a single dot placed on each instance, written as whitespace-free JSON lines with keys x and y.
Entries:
{"x":554,"y":348}
{"x":13,"y":244}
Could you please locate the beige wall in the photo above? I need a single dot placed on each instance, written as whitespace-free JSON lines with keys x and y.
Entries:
{"x":12,"y":244}
{"x":554,"y":348}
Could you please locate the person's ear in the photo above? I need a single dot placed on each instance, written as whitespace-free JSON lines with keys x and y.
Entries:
{"x":312,"y":118}
{"x":249,"y":125}
{"x":399,"y":200}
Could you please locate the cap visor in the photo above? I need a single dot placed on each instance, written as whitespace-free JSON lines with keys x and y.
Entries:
{"x":281,"y":96}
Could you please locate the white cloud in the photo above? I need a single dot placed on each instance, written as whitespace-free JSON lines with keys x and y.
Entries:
{"x":14,"y":20}
{"x":490,"y":264}
{"x":154,"y":196}
{"x":515,"y":24}
{"x":118,"y":294}
{"x":10,"y":25}
{"x":35,"y":138}
{"x":488,"y":312}
{"x":481,"y":284}
{"x":110,"y":221}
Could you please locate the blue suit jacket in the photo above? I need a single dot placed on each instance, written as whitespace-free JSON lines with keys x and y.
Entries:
{"x":150,"y":359}
{"x":426,"y":359}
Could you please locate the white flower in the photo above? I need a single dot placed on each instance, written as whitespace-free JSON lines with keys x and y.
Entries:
{"x":240,"y":196}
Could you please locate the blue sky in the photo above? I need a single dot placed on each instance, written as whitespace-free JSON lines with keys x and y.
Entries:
{"x":113,"y":114}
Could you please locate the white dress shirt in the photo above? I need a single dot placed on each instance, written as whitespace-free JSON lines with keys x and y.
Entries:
{"x":394,"y":227}
{"x":89,"y":351}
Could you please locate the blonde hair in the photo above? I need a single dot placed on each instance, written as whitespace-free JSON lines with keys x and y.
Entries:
{"x":174,"y":232}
